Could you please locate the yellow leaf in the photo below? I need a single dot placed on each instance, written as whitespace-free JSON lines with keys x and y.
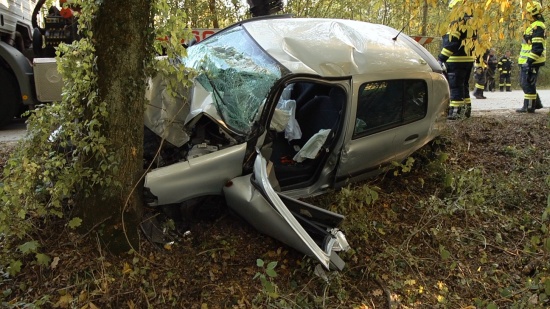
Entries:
{"x":82,"y":297}
{"x":504,"y":5}
{"x":127,"y":268}
{"x":410,"y":282}
{"x":64,"y":301}
{"x":377,"y":292}
{"x":92,"y":306}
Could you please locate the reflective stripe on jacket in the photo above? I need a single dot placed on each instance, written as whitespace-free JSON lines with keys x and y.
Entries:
{"x":533,"y":45}
{"x":454,"y":48}
{"x":504,"y":65}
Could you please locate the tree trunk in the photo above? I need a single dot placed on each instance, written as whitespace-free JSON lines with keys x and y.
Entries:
{"x":213,"y":11}
{"x":424,"y":29}
{"x":121,"y":36}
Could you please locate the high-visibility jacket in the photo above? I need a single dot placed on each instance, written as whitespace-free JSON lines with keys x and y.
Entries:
{"x":454,"y":49}
{"x":533,"y":45}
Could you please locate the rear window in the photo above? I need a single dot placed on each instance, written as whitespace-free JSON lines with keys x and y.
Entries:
{"x":387,"y":104}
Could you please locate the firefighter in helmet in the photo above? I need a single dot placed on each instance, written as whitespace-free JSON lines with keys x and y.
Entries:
{"x":505,"y":68}
{"x":532,"y":57}
{"x":459,"y":61}
{"x":480,"y":78}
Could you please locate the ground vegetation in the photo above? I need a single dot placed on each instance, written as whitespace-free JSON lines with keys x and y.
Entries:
{"x":464,"y":227}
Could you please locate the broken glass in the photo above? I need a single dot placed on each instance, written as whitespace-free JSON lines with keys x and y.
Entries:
{"x":238,"y":74}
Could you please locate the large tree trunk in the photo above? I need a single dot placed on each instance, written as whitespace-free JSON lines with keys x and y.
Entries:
{"x":121,"y":36}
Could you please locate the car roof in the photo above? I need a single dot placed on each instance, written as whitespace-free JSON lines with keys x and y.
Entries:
{"x":338,"y":47}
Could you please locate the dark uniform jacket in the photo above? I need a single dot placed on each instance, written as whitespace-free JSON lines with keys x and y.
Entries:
{"x":505,"y":65}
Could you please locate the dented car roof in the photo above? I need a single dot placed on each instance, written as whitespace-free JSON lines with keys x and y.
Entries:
{"x":335,"y":47}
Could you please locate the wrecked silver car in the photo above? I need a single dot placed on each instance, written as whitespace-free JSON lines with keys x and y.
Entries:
{"x":284,"y":108}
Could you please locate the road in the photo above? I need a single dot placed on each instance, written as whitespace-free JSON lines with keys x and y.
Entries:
{"x":507,"y":101}
{"x":503,"y":102}
{"x":14,"y":131}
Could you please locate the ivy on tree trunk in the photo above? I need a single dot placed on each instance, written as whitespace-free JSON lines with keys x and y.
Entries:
{"x":122,"y":38}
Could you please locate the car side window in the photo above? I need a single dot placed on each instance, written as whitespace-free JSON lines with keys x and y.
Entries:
{"x":383,"y":105}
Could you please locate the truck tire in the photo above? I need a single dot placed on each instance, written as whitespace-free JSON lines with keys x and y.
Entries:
{"x":10,"y":100}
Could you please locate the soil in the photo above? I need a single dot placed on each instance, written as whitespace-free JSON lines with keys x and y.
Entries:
{"x":420,"y":244}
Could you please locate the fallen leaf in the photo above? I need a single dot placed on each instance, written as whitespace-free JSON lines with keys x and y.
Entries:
{"x":54,"y":263}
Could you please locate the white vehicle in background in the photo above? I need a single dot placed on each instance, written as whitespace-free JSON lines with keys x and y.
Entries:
{"x":28,"y":71}
{"x":284,"y":108}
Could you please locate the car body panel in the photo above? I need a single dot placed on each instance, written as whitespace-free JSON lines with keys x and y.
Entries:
{"x":363,"y":157}
{"x":254,"y":199}
{"x":165,"y":114}
{"x":342,"y":47}
{"x":200,"y":176}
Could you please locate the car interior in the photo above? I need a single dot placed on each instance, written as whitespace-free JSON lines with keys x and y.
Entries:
{"x":318,"y":107}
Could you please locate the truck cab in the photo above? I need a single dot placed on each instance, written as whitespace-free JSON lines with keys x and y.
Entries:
{"x":28,"y":71}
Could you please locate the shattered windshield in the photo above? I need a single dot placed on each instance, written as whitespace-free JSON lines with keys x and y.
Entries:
{"x":238,"y":74}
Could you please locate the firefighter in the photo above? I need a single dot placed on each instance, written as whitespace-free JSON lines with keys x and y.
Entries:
{"x":532,"y":57}
{"x":505,"y":72}
{"x":480,"y":78}
{"x":459,"y":63}
{"x":492,"y":65}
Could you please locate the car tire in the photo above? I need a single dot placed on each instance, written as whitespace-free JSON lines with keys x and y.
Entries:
{"x":10,"y":100}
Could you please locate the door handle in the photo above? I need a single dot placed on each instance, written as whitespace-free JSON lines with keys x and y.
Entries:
{"x":411,"y":138}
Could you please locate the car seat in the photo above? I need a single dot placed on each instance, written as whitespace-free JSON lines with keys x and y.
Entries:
{"x":321,"y":112}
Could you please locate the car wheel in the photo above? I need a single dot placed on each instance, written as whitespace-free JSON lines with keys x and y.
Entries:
{"x":10,"y":100}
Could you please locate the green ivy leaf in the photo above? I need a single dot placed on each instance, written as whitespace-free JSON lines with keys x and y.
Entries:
{"x":260,"y":263}
{"x":444,"y":253}
{"x":75,"y":222}
{"x":29,"y":247}
{"x":43,"y":259}
{"x":15,"y":267}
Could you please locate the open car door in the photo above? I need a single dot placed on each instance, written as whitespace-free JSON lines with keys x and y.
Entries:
{"x":304,"y":227}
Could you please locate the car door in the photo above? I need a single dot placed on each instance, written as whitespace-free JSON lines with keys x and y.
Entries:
{"x":418,"y":117}
{"x":369,"y":140}
{"x":304,"y":227}
{"x":389,"y":123}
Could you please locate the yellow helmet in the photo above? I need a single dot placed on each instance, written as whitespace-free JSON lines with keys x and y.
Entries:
{"x":533,"y":7}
